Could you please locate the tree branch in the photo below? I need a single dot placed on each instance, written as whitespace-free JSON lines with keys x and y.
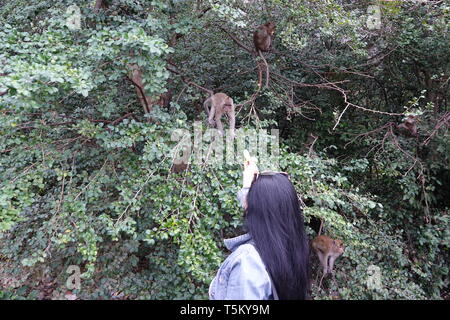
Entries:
{"x":188,"y":82}
{"x":237,"y":41}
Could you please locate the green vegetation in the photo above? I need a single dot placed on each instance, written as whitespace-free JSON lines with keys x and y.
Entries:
{"x":85,"y":173}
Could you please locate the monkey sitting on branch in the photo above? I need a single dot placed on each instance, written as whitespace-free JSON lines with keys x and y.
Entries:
{"x":328,"y":250}
{"x":408,"y":127}
{"x":262,"y":39}
{"x":220,"y":103}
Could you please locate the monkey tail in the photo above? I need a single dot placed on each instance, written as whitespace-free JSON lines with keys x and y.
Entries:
{"x":267,"y":67}
{"x":259,"y":75}
{"x":206,"y":104}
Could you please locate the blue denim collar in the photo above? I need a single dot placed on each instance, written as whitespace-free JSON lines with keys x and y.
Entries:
{"x":235,"y":242}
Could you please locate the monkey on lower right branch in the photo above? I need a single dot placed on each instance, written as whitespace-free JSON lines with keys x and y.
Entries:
{"x":328,"y":250}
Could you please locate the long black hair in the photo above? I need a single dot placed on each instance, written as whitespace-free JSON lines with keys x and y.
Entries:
{"x":274,"y":219}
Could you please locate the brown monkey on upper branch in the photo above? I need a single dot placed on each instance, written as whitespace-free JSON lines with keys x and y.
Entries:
{"x":262,"y":39}
{"x":220,"y":103}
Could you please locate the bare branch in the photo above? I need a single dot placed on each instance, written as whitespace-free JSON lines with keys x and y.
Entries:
{"x":188,"y":82}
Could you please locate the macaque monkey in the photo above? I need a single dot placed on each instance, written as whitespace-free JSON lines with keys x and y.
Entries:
{"x":220,"y":103}
{"x":100,"y":4}
{"x":165,"y":99}
{"x":328,"y":250}
{"x":262,"y":39}
{"x":177,"y":168}
{"x":409,"y":125}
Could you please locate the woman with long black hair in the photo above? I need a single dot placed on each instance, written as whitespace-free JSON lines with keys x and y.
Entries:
{"x":271,"y":260}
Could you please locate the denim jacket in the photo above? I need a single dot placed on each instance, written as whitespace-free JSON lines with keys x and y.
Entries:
{"x":243,"y":275}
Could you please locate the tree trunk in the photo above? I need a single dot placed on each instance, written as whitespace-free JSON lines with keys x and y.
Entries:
{"x":136,"y":78}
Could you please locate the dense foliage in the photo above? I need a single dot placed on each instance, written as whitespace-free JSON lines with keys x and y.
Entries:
{"x":86,"y":175}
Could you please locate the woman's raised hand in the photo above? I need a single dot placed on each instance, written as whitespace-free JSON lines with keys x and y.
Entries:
{"x":250,"y":169}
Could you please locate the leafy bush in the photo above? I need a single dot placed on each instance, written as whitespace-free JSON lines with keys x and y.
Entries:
{"x":86,"y":175}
